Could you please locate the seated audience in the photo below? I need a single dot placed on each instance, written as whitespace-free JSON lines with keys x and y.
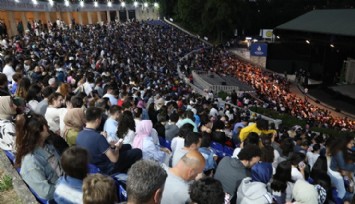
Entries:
{"x":254,"y":189}
{"x":110,"y":160}
{"x":39,"y":161}
{"x":192,"y":142}
{"x":7,"y":127}
{"x":231,"y":171}
{"x":181,"y":176}
{"x":75,"y":161}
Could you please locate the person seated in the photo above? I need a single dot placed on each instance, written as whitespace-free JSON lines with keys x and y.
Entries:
{"x":254,"y":189}
{"x":144,"y":141}
{"x":181,"y":176}
{"x":7,"y":127}
{"x":206,"y":190}
{"x":231,"y":171}
{"x":171,"y":129}
{"x":111,"y":124}
{"x":126,"y":128}
{"x":191,"y":142}
{"x":39,"y":161}
{"x":208,"y":154}
{"x":178,"y":142}
{"x":98,"y":188}
{"x":74,"y":122}
{"x":145,"y":182}
{"x":261,"y":126}
{"x":75,"y":161}
{"x":117,"y":159}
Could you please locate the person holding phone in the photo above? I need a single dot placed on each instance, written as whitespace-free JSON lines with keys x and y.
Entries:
{"x":298,"y":166}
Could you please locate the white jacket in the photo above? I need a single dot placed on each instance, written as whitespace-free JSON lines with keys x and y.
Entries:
{"x":253,"y":192}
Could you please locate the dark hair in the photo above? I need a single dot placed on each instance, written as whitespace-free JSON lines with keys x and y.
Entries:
{"x":315,"y":147}
{"x":189,"y":114}
{"x":33,"y":91}
{"x":75,"y":162}
{"x":28,"y":131}
{"x":262,"y":124}
{"x":281,"y":176}
{"x":205,"y":139}
{"x":185,"y":129}
{"x":286,"y":145}
{"x":206,"y":191}
{"x":297,"y":157}
{"x":3,"y":79}
{"x":76,"y":101}
{"x":253,"y":138}
{"x":162,"y":117}
{"x":319,"y":167}
{"x":137,"y":112}
{"x":47,"y":91}
{"x":114,"y":109}
{"x":126,"y":123}
{"x":191,"y":138}
{"x":93,"y":113}
{"x":54,"y":96}
{"x":267,"y":154}
{"x":174,"y":117}
{"x":249,"y":151}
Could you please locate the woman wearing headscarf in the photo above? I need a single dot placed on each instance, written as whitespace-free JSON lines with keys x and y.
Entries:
{"x":7,"y":127}
{"x":74,"y":121}
{"x":144,"y":141}
{"x":253,"y":189}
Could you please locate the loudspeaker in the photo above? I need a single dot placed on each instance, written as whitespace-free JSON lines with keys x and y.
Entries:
{"x":211,"y":76}
{"x":337,"y":110}
{"x":317,"y":101}
{"x":224,"y":83}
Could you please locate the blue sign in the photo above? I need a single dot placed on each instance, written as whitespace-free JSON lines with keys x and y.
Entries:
{"x":258,"y":49}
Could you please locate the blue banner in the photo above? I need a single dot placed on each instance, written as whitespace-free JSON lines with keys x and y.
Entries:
{"x":258,"y":49}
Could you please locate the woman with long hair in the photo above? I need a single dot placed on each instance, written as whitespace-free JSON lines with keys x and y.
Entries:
{"x":33,"y":96}
{"x":22,"y":89}
{"x":341,"y":165}
{"x":282,"y":184}
{"x":126,"y":128}
{"x":54,"y":112}
{"x":39,"y":161}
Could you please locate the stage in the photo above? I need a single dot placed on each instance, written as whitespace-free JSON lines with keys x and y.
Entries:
{"x":346,"y":90}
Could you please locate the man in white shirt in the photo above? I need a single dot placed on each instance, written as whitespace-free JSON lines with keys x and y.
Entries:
{"x":8,"y":70}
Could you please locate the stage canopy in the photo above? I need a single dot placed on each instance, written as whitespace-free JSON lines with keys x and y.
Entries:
{"x":334,"y":22}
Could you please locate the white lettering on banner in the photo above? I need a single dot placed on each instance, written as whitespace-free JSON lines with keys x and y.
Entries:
{"x":258,"y":51}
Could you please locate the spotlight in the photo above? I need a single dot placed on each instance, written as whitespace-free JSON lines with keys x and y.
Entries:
{"x":308,"y":42}
{"x":123,"y":4}
{"x":135,"y":4}
{"x":82,"y":3}
{"x":145,"y":4}
{"x":66,"y":3}
{"x":156,"y":5}
{"x":51,"y":2}
{"x":332,"y":46}
{"x":96,"y":4}
{"x":109,"y":4}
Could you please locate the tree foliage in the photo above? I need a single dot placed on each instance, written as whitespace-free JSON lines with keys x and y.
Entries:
{"x":218,"y":19}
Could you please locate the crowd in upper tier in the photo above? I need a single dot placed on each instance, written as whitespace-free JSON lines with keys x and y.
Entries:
{"x":108,"y":96}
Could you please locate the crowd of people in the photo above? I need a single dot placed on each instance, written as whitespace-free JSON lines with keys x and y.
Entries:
{"x":272,"y":89}
{"x":105,"y":95}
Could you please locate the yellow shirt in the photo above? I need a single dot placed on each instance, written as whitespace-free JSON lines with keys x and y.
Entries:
{"x":244,"y":132}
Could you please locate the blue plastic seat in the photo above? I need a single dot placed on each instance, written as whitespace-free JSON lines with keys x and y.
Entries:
{"x":218,"y":149}
{"x":228,"y":151}
{"x":93,"y":169}
{"x":10,"y":155}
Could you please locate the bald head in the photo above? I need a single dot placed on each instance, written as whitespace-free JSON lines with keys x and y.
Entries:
{"x":190,"y":165}
{"x":193,"y":158}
